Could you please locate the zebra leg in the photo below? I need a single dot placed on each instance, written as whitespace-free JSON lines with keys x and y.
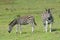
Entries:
{"x":50,"y":27}
{"x":17,"y":28}
{"x":46,"y":26}
{"x":32,"y":27}
{"x":20,"y":29}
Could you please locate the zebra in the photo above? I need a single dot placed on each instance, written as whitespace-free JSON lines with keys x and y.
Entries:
{"x":22,"y":20}
{"x":47,"y":19}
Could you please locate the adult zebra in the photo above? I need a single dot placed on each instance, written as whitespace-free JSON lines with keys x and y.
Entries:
{"x":22,"y":20}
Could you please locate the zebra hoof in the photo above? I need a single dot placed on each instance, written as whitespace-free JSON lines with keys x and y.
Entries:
{"x":20,"y":32}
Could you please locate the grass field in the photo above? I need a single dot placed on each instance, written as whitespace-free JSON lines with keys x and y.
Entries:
{"x":9,"y":10}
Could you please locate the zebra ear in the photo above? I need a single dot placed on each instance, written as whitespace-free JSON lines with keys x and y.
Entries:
{"x":52,"y":8}
{"x":46,"y":9}
{"x":18,"y":15}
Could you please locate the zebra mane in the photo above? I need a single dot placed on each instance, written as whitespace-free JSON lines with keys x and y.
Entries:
{"x":13,"y":22}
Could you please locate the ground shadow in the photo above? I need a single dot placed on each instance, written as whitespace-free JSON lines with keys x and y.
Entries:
{"x":55,"y":29}
{"x":24,"y":32}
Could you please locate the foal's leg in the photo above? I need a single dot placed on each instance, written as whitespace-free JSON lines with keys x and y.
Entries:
{"x":46,"y":26}
{"x":20,"y":29}
{"x":50,"y":27}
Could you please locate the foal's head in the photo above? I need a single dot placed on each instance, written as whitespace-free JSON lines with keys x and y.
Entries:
{"x":14,"y":22}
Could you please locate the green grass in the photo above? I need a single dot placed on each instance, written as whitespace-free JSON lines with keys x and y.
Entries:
{"x":29,"y":7}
